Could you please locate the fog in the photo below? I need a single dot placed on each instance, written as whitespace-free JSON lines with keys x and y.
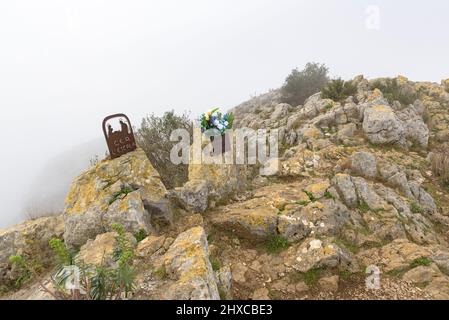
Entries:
{"x":65,"y":65}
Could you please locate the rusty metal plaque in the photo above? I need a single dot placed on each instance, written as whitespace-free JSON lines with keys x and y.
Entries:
{"x":122,"y":141}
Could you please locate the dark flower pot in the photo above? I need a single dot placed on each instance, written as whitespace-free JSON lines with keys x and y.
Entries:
{"x":225,"y":144}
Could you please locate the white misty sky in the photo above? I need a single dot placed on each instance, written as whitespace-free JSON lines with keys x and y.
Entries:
{"x":64,"y":65}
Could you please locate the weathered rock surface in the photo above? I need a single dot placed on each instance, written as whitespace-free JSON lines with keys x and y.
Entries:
{"x":188,"y":266}
{"x":28,"y":239}
{"x":126,"y":190}
{"x":382,"y":126}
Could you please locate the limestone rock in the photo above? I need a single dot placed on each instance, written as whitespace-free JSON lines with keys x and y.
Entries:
{"x":312,"y":253}
{"x":222,"y":181}
{"x":193,"y":196}
{"x":28,"y":239}
{"x":150,"y":245}
{"x":187,"y":264}
{"x":224,"y":280}
{"x":346,"y":189}
{"x":381,"y":125}
{"x":364,"y":164}
{"x":126,"y":190}
{"x":251,"y":223}
{"x":100,"y":252}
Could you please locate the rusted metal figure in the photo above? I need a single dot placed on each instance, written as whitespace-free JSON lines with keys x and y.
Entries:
{"x":119,"y":142}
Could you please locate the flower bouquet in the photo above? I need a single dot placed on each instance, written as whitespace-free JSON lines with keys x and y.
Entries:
{"x":214,"y":119}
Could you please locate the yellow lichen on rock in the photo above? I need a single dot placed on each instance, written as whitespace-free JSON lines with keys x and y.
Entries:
{"x":97,"y":186}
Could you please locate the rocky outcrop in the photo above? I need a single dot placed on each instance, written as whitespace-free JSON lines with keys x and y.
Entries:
{"x":126,"y":190}
{"x":313,"y":253}
{"x":188,"y":267}
{"x":382,"y":126}
{"x":28,"y":239}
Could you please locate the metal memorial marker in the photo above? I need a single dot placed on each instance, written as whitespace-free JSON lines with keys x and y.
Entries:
{"x":119,"y":142}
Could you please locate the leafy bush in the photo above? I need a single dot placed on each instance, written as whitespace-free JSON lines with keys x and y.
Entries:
{"x":215,"y":263}
{"x":140,"y":235}
{"x":154,"y":138}
{"x":22,"y":267}
{"x":338,"y":90}
{"x":415,"y":208}
{"x":423,"y":261}
{"x":96,"y":282}
{"x":277,"y":244}
{"x":392,"y":91}
{"x":300,"y":85}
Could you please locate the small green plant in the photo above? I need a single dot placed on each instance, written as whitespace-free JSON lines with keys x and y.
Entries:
{"x":423,"y":261}
{"x":140,"y":235}
{"x":311,"y":196}
{"x":277,"y":244}
{"x":302,"y":202}
{"x":338,"y":90}
{"x":25,"y":272}
{"x":329,"y":195}
{"x":351,"y":246}
{"x":65,"y":257}
{"x":124,"y":191}
{"x":392,"y":91}
{"x":215,"y":263}
{"x":97,"y":282}
{"x":310,"y":277}
{"x":416,"y":208}
{"x":363,"y":206}
{"x":328,"y":107}
{"x":222,"y":293}
{"x":161,"y":273}
{"x":123,"y":252}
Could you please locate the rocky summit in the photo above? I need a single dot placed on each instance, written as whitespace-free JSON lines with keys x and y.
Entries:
{"x":356,"y":196}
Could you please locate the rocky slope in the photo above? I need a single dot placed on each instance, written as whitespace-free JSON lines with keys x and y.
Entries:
{"x":354,"y":189}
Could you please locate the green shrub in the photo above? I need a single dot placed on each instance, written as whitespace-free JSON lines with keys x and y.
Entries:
{"x":24,"y":271}
{"x":310,"y":277}
{"x":329,"y":195}
{"x":161,"y":273}
{"x":423,"y":261}
{"x":96,"y":282}
{"x":124,"y":191}
{"x":300,"y":85}
{"x":415,"y":208}
{"x":311,"y":196}
{"x":215,"y":263}
{"x":392,"y":91}
{"x":140,"y":235}
{"x":277,"y":244}
{"x":338,"y":90}
{"x":154,"y":138}
{"x":363,"y":206}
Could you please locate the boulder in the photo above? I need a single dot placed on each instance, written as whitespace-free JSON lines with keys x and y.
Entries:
{"x":28,"y":239}
{"x":258,"y":223}
{"x":382,"y":126}
{"x":346,"y":189}
{"x":187,"y":265}
{"x":125,"y":190}
{"x":150,"y":245}
{"x":193,"y":196}
{"x":224,"y":281}
{"x":220,"y":182}
{"x":313,"y":253}
{"x":364,"y":164}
